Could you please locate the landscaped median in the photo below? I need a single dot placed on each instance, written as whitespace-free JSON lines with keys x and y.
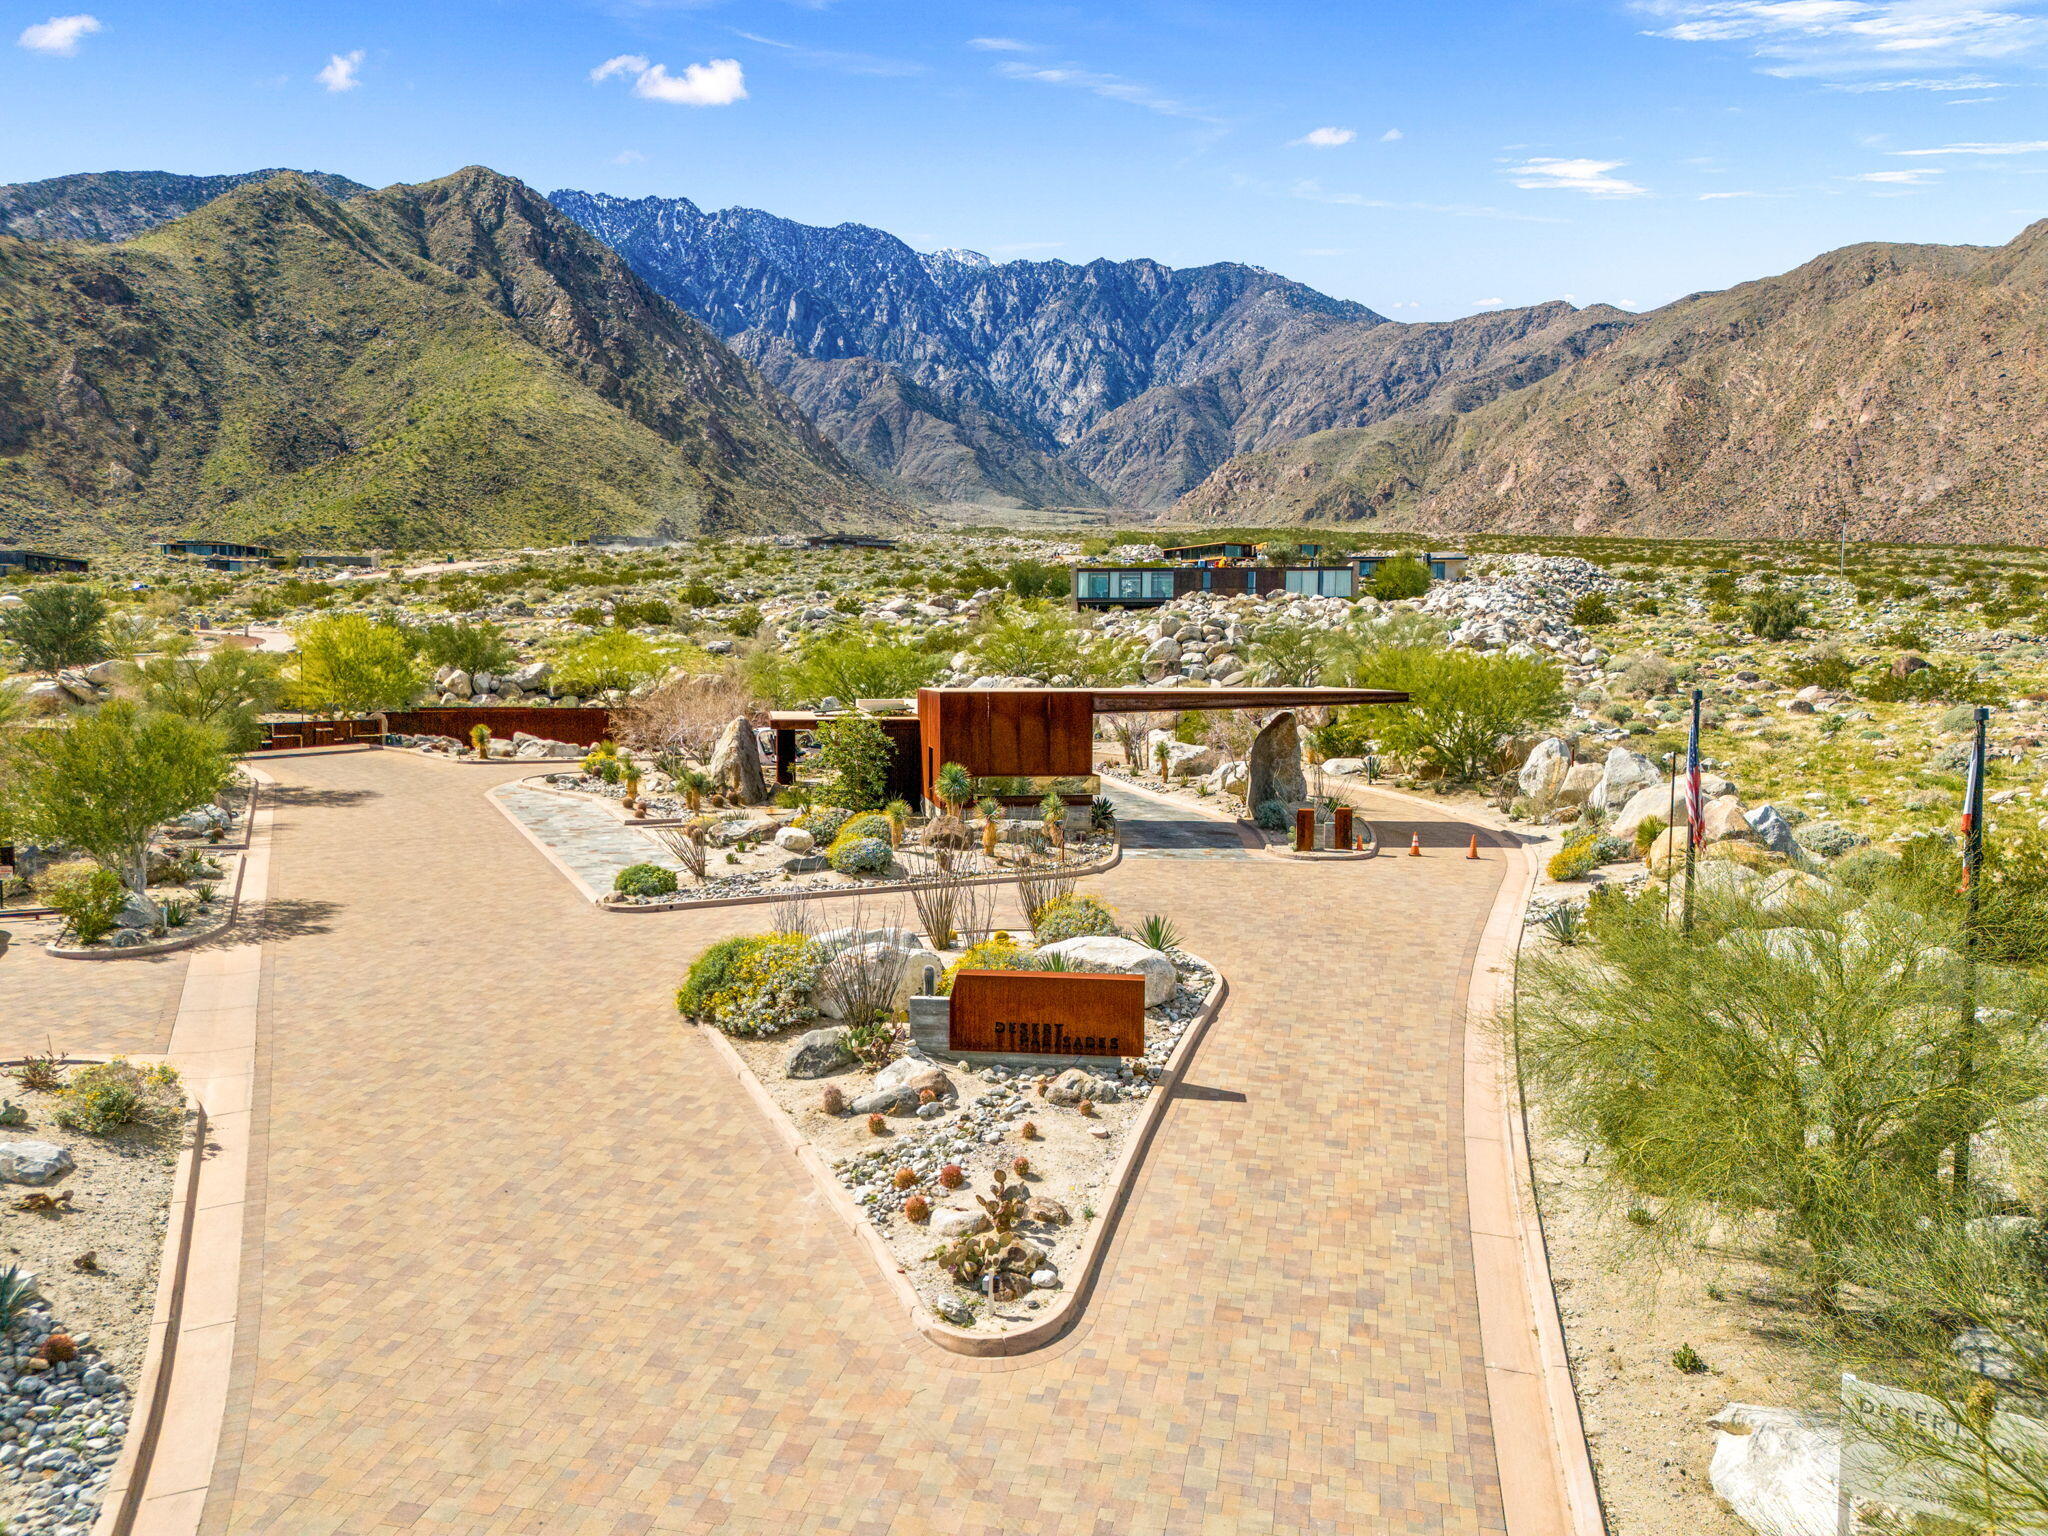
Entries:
{"x":985,"y":1185}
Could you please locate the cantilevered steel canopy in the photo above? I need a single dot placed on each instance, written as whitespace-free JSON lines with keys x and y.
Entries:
{"x":1129,"y":701}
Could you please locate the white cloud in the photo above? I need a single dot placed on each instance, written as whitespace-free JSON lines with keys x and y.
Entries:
{"x":719,"y":83}
{"x":1391,"y":135}
{"x":999,"y":45}
{"x":1545,"y":174}
{"x":58,"y":35}
{"x":1488,"y":303}
{"x":2026,"y":147}
{"x":1912,"y":178}
{"x":1315,"y":192}
{"x":1111,"y":87}
{"x":628,"y":157}
{"x":835,"y":59}
{"x":1820,"y":37}
{"x":1325,"y":138}
{"x":1961,"y":83}
{"x":340,"y":71}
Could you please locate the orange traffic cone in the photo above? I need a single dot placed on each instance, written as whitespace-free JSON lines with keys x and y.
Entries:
{"x":1415,"y":846}
{"x":1472,"y":848}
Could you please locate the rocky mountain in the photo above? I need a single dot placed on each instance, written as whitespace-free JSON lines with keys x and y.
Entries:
{"x":1894,"y":387}
{"x":450,"y":363}
{"x":118,"y":205}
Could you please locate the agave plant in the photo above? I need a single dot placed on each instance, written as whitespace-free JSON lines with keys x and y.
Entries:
{"x":1158,"y":932}
{"x":1566,"y":924}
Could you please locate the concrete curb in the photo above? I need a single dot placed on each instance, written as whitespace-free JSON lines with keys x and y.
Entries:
{"x":1548,"y":1487}
{"x":1073,"y":1300}
{"x":602,"y":899}
{"x":161,"y":1489}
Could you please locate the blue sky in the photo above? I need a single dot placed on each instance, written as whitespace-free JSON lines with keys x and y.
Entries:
{"x":1428,"y":159}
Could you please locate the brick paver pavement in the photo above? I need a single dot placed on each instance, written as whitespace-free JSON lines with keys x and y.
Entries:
{"x":523,"y":1259}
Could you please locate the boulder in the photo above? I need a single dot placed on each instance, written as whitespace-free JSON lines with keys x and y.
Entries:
{"x":1273,"y":768}
{"x":531,"y":678}
{"x":1657,"y":800}
{"x":1076,"y":1084}
{"x":1624,"y":774}
{"x":736,"y":762}
{"x":820,"y":1053}
{"x":1667,"y":853}
{"x":1778,"y":1470}
{"x":1103,"y":953}
{"x":1580,"y":780}
{"x":1344,"y":767}
{"x":1230,"y":779}
{"x":138,"y":911}
{"x":1906,"y":665}
{"x":33,"y":1162}
{"x":1189,"y":759}
{"x":1788,"y":887}
{"x":1721,"y":819}
{"x":899,"y":1087}
{"x":1775,"y":832}
{"x":1544,"y":769}
{"x":794,"y":840}
{"x":907,"y":965}
{"x":737,"y":829}
{"x":458,"y":683}
{"x":75,"y":684}
{"x":950,"y":1223}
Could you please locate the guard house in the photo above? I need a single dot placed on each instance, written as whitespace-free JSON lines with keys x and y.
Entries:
{"x":1139,"y":586}
{"x":218,"y":554}
{"x":37,"y":563}
{"x":1442,"y":567}
{"x":1020,"y":744}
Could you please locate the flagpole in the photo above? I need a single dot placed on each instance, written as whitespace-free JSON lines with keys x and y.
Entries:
{"x":1693,"y":818}
{"x":1973,"y":866}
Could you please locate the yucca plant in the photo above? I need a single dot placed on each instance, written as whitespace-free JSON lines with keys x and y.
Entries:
{"x":898,"y":813}
{"x":1158,"y":932}
{"x":480,"y":739}
{"x":991,"y":823}
{"x":1102,"y":814}
{"x":954,"y":787}
{"x":174,"y":913}
{"x":695,"y":784}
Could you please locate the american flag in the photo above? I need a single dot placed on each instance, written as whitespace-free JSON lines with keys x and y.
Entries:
{"x":1973,"y":814}
{"x":1694,"y":820}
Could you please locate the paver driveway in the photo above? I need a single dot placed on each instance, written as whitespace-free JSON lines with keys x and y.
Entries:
{"x":522,"y":1259}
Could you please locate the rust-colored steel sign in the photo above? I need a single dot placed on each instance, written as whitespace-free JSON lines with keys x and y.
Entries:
{"x":1048,"y":1013}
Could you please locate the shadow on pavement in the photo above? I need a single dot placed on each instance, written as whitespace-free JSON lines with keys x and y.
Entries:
{"x":268,"y":922}
{"x":1211,"y":1095}
{"x":308,"y":797}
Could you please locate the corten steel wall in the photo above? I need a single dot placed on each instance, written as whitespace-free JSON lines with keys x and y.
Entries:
{"x":1047,"y":1014}
{"x":584,"y":727}
{"x":998,"y":733}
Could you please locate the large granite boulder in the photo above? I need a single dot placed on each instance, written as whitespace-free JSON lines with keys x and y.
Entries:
{"x":1273,"y":767}
{"x":1771,"y":827}
{"x":1622,"y":776}
{"x":736,"y":762}
{"x":820,"y":1053}
{"x":1107,"y":954}
{"x":1657,"y":800}
{"x":1544,"y":769}
{"x":1722,"y":819}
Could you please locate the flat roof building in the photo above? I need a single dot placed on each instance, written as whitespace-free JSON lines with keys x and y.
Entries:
{"x":36,"y":562}
{"x":1142,"y":586}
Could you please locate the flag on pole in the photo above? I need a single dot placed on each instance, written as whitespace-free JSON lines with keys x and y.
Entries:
{"x":1695,"y":819}
{"x":1973,"y":810}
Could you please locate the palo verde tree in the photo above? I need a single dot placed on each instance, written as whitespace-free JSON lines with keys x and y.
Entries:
{"x":1790,"y":1066}
{"x":472,"y":647}
{"x":1048,"y":641}
{"x":57,"y":625}
{"x":1402,"y":576}
{"x":107,"y":778}
{"x":228,"y":690}
{"x":858,"y":752}
{"x":1463,"y":708}
{"x":356,"y":666}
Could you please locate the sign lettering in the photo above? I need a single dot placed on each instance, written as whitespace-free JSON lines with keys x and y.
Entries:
{"x":1047,"y":1013}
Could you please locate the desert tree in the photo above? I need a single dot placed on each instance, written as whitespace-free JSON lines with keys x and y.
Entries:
{"x":104,"y":781}
{"x":229,"y":690}
{"x":355,"y":665}
{"x":57,"y":625}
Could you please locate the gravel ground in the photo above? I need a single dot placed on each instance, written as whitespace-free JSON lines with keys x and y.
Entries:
{"x":61,"y":1429}
{"x":1070,"y":1158}
{"x":1627,"y":1308}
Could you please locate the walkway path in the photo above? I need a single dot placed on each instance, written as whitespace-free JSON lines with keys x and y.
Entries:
{"x":1151,"y":824}
{"x":522,"y":1258}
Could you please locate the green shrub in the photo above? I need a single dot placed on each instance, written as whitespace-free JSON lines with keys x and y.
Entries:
{"x":999,"y":952}
{"x":862,"y":856}
{"x":1576,"y":859}
{"x":87,"y":896}
{"x":1827,"y":668}
{"x":1073,"y":917}
{"x":1463,"y":708}
{"x":1935,"y":684}
{"x":112,"y":1095}
{"x":1774,"y":615}
{"x":755,"y":985}
{"x":866,"y":824}
{"x":1402,"y":576}
{"x":1647,"y":832}
{"x":1593,"y":608}
{"x":858,"y":752}
{"x":1272,"y":815}
{"x":824,"y":822}
{"x":746,"y":623}
{"x":644,"y":880}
